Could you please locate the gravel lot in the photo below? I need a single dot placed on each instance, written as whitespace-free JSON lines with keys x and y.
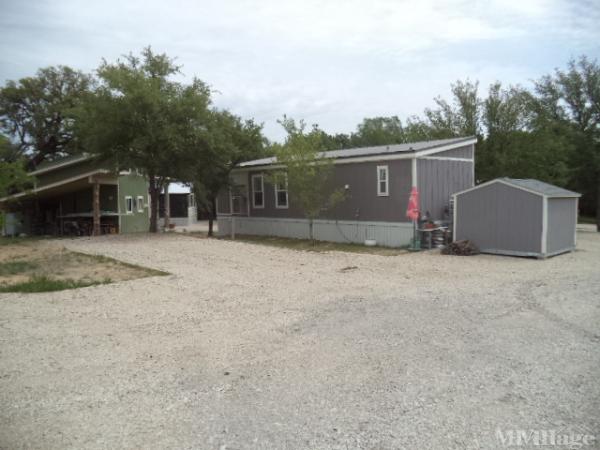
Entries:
{"x":247,"y":346}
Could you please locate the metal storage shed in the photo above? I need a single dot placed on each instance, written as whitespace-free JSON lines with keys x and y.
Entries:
{"x":517,"y":217}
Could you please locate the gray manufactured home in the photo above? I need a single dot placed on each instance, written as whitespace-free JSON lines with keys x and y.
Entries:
{"x":517,"y":217}
{"x":377,"y":181}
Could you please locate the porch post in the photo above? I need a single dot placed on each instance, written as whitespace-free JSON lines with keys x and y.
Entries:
{"x":96,"y":208}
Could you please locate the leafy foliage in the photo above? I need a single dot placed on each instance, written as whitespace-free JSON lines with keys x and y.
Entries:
{"x":139,"y":118}
{"x":307,"y":173}
{"x":226,"y":141}
{"x":37,"y":112}
{"x":13,"y":178}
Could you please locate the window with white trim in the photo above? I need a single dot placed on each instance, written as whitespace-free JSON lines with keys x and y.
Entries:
{"x":128,"y":204}
{"x":258,"y":191}
{"x":383,"y":181}
{"x":140,"y":204}
{"x":281,"y":194}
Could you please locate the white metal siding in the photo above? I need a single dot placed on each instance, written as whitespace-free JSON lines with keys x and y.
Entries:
{"x":388,"y":234}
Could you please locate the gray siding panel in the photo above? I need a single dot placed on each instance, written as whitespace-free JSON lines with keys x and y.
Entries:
{"x":500,"y":218}
{"x":361,"y":202}
{"x":561,"y":224}
{"x":223,"y":206}
{"x":467,"y":151}
{"x":438,"y":180}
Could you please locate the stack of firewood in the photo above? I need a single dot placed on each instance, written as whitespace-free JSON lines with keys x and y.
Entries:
{"x":461,"y":248}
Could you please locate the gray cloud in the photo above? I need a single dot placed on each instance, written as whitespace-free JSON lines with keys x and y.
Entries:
{"x":331,"y":62}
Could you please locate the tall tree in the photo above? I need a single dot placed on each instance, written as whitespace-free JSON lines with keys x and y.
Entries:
{"x":461,"y":116}
{"x":569,"y":102}
{"x":37,"y":112}
{"x":226,"y":141}
{"x":139,"y":118}
{"x":378,"y":131}
{"x":306,"y":172}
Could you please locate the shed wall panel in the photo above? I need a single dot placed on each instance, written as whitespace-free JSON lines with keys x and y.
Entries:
{"x":561,"y":224}
{"x":499,"y":218}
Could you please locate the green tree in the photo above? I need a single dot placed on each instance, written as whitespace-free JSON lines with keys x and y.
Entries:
{"x":568,"y":102}
{"x":37,"y":112}
{"x":306,"y":172}
{"x":226,"y":141}
{"x":138,"y":118}
{"x":13,"y":175}
{"x":378,"y":131}
{"x":461,"y":117}
{"x":13,"y":178}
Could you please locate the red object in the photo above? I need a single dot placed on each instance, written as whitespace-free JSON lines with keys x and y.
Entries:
{"x":412,"y":212}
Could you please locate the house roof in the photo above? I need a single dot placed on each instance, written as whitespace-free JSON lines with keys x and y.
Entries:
{"x":48,"y":166}
{"x":381,"y":150}
{"x":530,"y":185}
{"x":47,"y":187}
{"x":547,"y":189}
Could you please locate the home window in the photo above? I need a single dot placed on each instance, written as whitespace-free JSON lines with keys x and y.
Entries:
{"x":281,"y":194}
{"x":140,"y":204}
{"x":258,"y":194}
{"x":382,"y":181}
{"x":128,"y":204}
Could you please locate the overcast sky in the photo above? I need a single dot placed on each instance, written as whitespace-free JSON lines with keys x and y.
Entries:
{"x":330,"y":62}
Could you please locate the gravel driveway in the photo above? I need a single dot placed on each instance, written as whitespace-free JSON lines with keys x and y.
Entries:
{"x":253,"y":347}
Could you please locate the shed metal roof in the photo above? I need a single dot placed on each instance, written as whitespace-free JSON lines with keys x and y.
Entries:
{"x":528,"y":184}
{"x":381,"y":150}
{"x":547,"y":189}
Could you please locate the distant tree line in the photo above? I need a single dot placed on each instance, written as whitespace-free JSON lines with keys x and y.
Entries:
{"x":550,"y":132}
{"x":133,"y":113}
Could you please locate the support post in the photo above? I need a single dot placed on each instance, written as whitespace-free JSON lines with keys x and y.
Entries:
{"x":96,"y":209}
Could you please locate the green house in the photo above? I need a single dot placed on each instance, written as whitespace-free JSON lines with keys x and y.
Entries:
{"x":77,"y":196}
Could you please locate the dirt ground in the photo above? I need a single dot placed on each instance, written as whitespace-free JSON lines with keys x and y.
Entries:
{"x":51,"y":259}
{"x":254,"y":347}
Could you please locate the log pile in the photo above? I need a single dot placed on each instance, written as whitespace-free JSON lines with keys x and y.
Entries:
{"x":461,"y":248}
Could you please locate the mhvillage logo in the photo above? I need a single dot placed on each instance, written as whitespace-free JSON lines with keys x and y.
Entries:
{"x":568,"y":439}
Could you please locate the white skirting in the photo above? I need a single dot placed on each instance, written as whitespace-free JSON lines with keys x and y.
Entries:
{"x":387,"y":234}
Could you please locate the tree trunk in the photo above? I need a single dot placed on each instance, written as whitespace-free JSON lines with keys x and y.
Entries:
{"x":598,"y":204}
{"x":154,"y":195}
{"x":212,"y":214}
{"x":167,"y":204}
{"x":310,"y":231}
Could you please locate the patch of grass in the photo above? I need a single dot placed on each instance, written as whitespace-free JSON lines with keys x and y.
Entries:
{"x":107,"y":260}
{"x":586,"y":219}
{"x":4,"y":240}
{"x":318,"y":246}
{"x":16,"y":267}
{"x":45,"y":284}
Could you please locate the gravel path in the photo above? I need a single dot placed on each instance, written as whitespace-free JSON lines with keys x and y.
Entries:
{"x":253,"y":347}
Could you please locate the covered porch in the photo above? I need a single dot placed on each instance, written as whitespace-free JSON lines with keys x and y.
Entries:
{"x":82,"y":207}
